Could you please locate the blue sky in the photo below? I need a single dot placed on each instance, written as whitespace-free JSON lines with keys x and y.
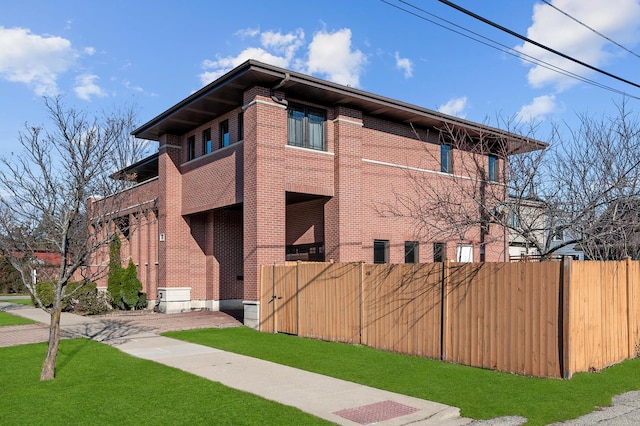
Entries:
{"x":103,"y":54}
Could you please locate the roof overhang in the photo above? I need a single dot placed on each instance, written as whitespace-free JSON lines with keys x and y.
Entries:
{"x":227,"y":92}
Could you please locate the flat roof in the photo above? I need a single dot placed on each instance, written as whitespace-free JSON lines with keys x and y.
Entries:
{"x":227,"y":93}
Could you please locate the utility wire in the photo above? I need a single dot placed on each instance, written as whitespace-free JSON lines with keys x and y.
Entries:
{"x":535,"y":43}
{"x":589,"y":28}
{"x":503,"y":48}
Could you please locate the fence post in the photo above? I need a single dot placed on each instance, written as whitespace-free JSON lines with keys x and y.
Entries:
{"x":443,"y":309}
{"x":630,"y":342}
{"x":565,"y":326}
{"x":273,"y":298}
{"x":361,"y":301}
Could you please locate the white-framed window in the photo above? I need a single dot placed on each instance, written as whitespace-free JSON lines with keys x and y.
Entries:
{"x":464,"y":253}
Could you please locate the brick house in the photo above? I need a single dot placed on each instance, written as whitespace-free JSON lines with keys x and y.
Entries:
{"x":267,"y":165}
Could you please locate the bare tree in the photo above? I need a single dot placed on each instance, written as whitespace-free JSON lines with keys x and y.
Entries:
{"x":468,"y":195}
{"x":583,"y":187}
{"x":43,"y":207}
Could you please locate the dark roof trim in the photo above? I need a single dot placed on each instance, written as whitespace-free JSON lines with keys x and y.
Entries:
{"x":227,"y":89}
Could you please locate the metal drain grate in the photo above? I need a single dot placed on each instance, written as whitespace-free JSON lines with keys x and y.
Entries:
{"x":375,"y":413}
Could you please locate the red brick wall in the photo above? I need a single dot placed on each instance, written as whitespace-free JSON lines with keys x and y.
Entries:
{"x":264,"y":186}
{"x":344,"y":212}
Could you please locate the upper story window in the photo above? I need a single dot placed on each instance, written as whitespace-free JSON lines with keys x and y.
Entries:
{"x":558,"y":234}
{"x":207,"y":146}
{"x":224,"y":133}
{"x":306,"y":127}
{"x":241,"y":126}
{"x":514,"y":219}
{"x":446,"y":163}
{"x":493,"y":168}
{"x":191,"y":148}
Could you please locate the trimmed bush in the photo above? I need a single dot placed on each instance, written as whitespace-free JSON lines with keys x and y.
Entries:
{"x":123,"y":283}
{"x":46,"y":293}
{"x":125,"y":288}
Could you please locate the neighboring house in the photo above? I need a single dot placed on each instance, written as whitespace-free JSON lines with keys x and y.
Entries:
{"x":527,"y":223}
{"x":530,"y":227}
{"x":266,"y":165}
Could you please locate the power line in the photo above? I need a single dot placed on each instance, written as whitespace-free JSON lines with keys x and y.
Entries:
{"x":589,"y":28}
{"x":535,"y":43}
{"x":503,"y":48}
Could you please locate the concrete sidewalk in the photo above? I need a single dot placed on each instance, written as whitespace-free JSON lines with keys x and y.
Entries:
{"x":338,"y":401}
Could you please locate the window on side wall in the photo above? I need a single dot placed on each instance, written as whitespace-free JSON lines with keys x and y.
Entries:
{"x":306,"y":127}
{"x":446,"y":165}
{"x":207,"y":146}
{"x":493,"y":168}
{"x":410,"y":252}
{"x":380,"y":251}
{"x":241,"y":126}
{"x":439,"y":252}
{"x":224,"y":133}
{"x":464,"y":253}
{"x":191,"y":148}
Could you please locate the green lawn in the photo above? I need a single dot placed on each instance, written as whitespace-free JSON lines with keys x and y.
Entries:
{"x":8,"y":319}
{"x":480,"y":394}
{"x":99,"y":385}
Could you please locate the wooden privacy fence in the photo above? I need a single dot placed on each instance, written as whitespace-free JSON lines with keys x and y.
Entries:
{"x":546,"y":319}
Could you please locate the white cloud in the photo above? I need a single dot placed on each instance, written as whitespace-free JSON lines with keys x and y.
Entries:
{"x":247,"y":32}
{"x":86,"y":87}
{"x":455,"y":107}
{"x":34,"y":60}
{"x":89,"y":51}
{"x":222,"y":65}
{"x":618,"y":19}
{"x":276,"y":49}
{"x":405,"y":65}
{"x":133,"y":87}
{"x":331,"y":55}
{"x":538,"y":109}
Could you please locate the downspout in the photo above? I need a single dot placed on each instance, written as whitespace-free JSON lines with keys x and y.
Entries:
{"x":275,"y":98}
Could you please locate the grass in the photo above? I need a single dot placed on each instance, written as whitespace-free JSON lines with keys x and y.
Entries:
{"x":8,"y":319}
{"x":480,"y":394}
{"x":99,"y":385}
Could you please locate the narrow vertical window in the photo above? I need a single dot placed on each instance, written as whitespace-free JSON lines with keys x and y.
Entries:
{"x":207,"y":147}
{"x":410,"y":252}
{"x":445,"y":159}
{"x":439,"y":253}
{"x":493,"y":168}
{"x":191,"y":148}
{"x":380,"y":251}
{"x":241,"y":126}
{"x":224,"y":133}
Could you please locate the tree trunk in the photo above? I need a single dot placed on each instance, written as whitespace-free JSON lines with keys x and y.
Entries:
{"x":49,"y":365}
